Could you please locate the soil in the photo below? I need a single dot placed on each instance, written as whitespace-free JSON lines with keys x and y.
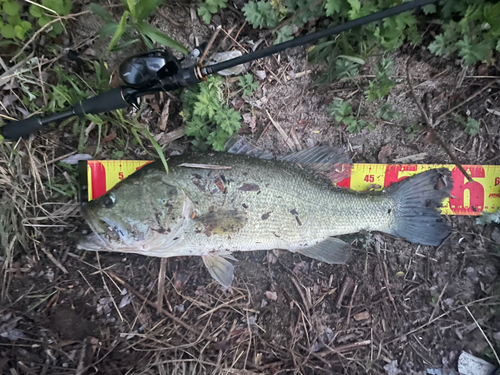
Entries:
{"x":394,"y":308}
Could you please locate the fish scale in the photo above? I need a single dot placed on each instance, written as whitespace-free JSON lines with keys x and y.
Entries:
{"x":323,"y":210}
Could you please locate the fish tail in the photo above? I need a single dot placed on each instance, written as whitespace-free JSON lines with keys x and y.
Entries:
{"x":417,"y":200}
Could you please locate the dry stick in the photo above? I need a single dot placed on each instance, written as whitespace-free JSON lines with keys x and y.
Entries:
{"x":350,"y":304}
{"x":440,"y":117}
{"x":55,"y":261}
{"x":209,"y":45}
{"x":161,"y":285}
{"x":486,"y":337}
{"x":164,"y":312}
{"x":237,"y":35}
{"x":430,"y":127}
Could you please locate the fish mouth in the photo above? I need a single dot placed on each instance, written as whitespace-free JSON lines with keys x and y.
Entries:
{"x":106,"y":228}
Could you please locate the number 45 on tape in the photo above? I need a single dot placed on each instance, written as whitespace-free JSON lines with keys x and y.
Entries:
{"x":467,"y":198}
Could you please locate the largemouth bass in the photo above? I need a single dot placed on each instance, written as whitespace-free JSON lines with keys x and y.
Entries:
{"x":213,"y":204}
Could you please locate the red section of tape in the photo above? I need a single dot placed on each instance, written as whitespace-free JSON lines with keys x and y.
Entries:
{"x":98,"y":173}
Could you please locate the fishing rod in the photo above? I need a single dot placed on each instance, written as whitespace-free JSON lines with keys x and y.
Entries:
{"x":158,"y":70}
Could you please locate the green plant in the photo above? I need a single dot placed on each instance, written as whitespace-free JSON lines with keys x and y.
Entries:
{"x":207,"y":8}
{"x":12,"y":26}
{"x":248,"y":85}
{"x":471,"y":125}
{"x":50,"y":9}
{"x":476,"y":34}
{"x":134,"y":19}
{"x":413,"y":130}
{"x":382,"y":84}
{"x":342,"y":112}
{"x":387,"y":113}
{"x":487,"y":218}
{"x":208,"y":119}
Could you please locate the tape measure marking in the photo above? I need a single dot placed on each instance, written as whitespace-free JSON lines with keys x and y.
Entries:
{"x":467,"y":198}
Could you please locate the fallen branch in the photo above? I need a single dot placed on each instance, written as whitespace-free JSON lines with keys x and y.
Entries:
{"x":430,"y":127}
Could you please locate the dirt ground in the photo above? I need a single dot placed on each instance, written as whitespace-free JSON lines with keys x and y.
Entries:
{"x":394,"y":308}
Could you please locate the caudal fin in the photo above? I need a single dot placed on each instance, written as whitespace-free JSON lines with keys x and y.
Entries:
{"x":416,"y":201}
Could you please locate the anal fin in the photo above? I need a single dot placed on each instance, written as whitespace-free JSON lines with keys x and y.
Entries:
{"x":220,"y":269}
{"x":331,"y":251}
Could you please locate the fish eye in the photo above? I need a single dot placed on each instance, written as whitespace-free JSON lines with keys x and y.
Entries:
{"x":108,"y":200}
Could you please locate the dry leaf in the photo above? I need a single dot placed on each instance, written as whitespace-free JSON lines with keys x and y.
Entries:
{"x":361,"y":316}
{"x":482,"y":70}
{"x":109,"y":138}
{"x":271,"y":296}
{"x":429,"y":137}
{"x":250,"y":120}
{"x":385,"y":152}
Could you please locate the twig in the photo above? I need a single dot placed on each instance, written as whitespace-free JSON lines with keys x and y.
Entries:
{"x":439,"y":300}
{"x":209,"y":45}
{"x":385,"y":275}
{"x":287,"y":140}
{"x":55,"y":261}
{"x":440,"y":117}
{"x":163,"y":311}
{"x":346,"y":288}
{"x":350,"y":304}
{"x":237,"y":35}
{"x":343,"y":348}
{"x":484,"y":334}
{"x":161,"y":285}
{"x":430,"y":126}
{"x":88,"y":350}
{"x":101,"y":271}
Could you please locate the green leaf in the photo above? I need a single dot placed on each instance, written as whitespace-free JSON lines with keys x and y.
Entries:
{"x":248,"y":85}
{"x":471,"y":125}
{"x":161,"y":38}
{"x":61,"y":7}
{"x":387,"y":113}
{"x":472,"y":51}
{"x":26,"y":25}
{"x":119,"y":31}
{"x":12,"y":8}
{"x":332,"y":7}
{"x":487,"y":218}
{"x":130,"y":5}
{"x":146,"y":7}
{"x":35,"y":11}
{"x":339,"y":109}
{"x":260,"y":14}
{"x":20,"y":32}
{"x":228,"y":120}
{"x":8,"y":31}
{"x":157,"y":148}
{"x":204,"y":13}
{"x":284,"y":34}
{"x":102,"y":13}
{"x":429,"y":9}
{"x":344,"y":68}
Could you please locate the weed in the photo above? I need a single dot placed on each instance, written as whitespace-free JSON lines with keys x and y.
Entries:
{"x":487,"y":218}
{"x":382,"y":84}
{"x":342,"y":112}
{"x":248,"y":85}
{"x":412,"y":130}
{"x":387,"y":113}
{"x":208,"y":119}
{"x":471,"y":125}
{"x":207,"y":8}
{"x":470,"y":28}
{"x":134,"y":19}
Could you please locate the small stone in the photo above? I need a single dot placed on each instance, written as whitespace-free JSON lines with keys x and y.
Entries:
{"x":361,"y":316}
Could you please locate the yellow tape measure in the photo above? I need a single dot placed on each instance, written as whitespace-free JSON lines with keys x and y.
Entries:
{"x":467,"y":198}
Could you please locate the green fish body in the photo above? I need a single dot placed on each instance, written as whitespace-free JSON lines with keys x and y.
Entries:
{"x":213,"y":204}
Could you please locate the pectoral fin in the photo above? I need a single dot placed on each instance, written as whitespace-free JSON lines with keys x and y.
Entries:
{"x":220,"y":269}
{"x":331,"y":251}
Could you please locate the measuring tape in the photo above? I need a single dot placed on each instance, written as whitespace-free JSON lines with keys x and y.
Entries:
{"x":467,"y":198}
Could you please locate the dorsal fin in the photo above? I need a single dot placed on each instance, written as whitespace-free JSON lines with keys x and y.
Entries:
{"x":240,"y":145}
{"x":330,"y":161}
